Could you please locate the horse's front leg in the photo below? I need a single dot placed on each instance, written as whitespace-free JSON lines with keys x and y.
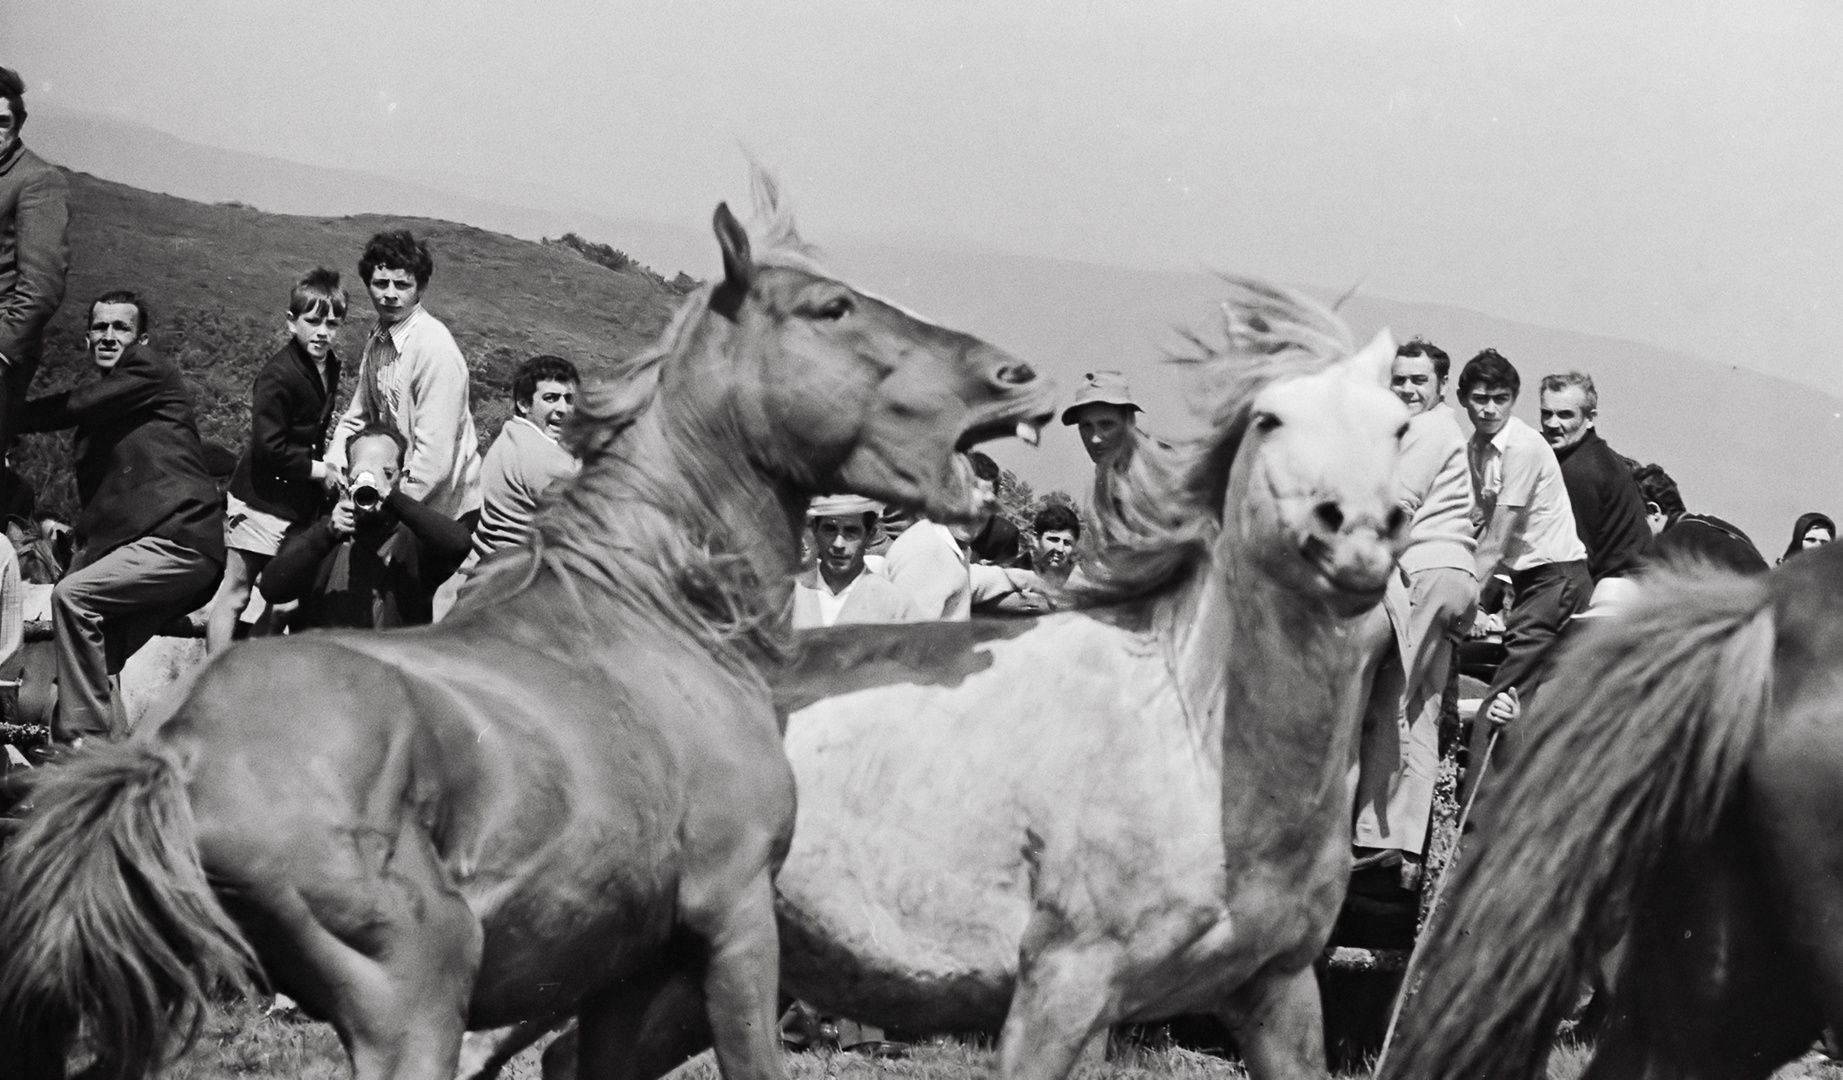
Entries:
{"x":1278,"y":1022}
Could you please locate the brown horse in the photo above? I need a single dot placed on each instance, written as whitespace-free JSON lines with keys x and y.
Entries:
{"x":566,"y":798}
{"x":1682,"y":790}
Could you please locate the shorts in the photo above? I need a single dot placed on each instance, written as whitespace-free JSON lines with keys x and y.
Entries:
{"x":249,"y":529}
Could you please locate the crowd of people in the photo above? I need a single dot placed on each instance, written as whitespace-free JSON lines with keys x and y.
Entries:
{"x":375,"y":517}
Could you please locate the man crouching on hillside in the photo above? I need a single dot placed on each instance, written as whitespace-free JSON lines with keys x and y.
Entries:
{"x":152,"y":524}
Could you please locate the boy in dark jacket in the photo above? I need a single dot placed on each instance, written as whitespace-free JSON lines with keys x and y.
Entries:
{"x":152,"y":524}
{"x":377,"y":559}
{"x":280,"y":482}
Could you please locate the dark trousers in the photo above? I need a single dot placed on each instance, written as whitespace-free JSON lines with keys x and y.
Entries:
{"x":1547,"y":596}
{"x":15,"y":380}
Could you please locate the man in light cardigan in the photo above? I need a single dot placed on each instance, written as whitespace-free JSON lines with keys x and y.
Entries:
{"x":1430,"y":597}
{"x":413,"y":377}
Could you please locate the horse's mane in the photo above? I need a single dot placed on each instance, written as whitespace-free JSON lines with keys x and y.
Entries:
{"x":1159,"y":509}
{"x":650,"y":541}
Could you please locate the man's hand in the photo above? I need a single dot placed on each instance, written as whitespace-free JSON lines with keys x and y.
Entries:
{"x":1484,"y":625}
{"x":1504,"y":708}
{"x":343,"y":520}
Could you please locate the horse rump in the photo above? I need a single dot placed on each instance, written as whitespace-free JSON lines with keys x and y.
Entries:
{"x":107,"y":922}
{"x":1636,"y":747}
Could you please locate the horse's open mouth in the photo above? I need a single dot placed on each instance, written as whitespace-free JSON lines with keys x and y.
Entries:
{"x":1028,"y":429}
{"x":1356,"y":586}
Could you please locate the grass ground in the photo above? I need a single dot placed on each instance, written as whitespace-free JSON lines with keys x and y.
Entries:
{"x":241,"y":1043}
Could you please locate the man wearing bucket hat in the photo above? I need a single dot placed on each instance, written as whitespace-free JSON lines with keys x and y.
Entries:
{"x":838,"y":589}
{"x":1103,"y":415}
{"x":34,"y":254}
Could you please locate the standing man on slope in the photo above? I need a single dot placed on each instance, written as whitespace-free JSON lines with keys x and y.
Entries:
{"x":413,"y":378}
{"x":34,"y":255}
{"x":152,"y":524}
{"x":1526,"y":534}
{"x":1609,"y":511}
{"x":1427,"y":602}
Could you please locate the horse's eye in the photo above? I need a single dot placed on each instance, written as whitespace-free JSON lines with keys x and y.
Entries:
{"x":831,"y":309}
{"x":1266,"y":421}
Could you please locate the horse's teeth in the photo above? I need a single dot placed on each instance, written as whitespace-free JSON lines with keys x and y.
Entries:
{"x":1027,"y":431}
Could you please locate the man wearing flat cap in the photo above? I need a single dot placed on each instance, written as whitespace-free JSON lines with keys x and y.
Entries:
{"x":839,"y":589}
{"x":34,"y":254}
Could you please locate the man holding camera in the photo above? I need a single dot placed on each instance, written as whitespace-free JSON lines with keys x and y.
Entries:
{"x":377,"y":559}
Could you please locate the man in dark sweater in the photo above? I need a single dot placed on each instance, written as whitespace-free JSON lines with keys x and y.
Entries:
{"x":34,"y":253}
{"x":1609,"y":512}
{"x":152,"y":524}
{"x":377,"y":559}
{"x":1682,"y":535}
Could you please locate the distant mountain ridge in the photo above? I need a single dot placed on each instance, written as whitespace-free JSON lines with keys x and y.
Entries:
{"x":1749,"y":447}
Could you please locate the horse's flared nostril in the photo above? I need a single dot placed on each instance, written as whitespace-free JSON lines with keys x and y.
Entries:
{"x":1398,"y":520}
{"x":1016,"y":374}
{"x":1330,"y":515}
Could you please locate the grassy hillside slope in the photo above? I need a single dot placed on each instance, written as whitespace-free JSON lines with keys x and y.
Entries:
{"x":218,"y":278}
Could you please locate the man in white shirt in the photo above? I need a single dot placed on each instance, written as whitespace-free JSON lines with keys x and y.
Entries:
{"x":1526,"y":533}
{"x":1428,"y":602}
{"x":838,"y":589}
{"x":528,"y":456}
{"x":413,"y":377}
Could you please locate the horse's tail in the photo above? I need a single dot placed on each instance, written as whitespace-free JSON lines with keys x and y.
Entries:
{"x":106,"y":918}
{"x":1636,"y":745}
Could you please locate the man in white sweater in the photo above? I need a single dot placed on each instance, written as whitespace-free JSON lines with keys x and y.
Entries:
{"x":1428,"y":601}
{"x":528,"y":456}
{"x":413,"y":377}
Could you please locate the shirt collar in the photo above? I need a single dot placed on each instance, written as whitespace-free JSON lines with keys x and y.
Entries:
{"x":401,"y":327}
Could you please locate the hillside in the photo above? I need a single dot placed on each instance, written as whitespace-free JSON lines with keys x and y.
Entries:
{"x":218,"y":278}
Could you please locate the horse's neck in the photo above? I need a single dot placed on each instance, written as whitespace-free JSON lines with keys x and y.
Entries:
{"x":1278,"y":678}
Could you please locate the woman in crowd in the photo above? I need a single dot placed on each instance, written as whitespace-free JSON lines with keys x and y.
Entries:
{"x":1812,"y":530}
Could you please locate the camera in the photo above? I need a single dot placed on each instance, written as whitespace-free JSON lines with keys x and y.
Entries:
{"x":365,"y":493}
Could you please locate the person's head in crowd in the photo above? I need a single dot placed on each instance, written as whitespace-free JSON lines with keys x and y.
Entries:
{"x":13,"y":118}
{"x":1488,"y":388}
{"x":316,"y":308}
{"x":985,"y":480}
{"x":1810,"y":531}
{"x":118,"y":327}
{"x":544,"y":392}
{"x":395,"y":268}
{"x":374,"y":460}
{"x":1103,"y":414}
{"x":1568,"y":404}
{"x":842,"y":527}
{"x":1663,"y":502}
{"x":1418,"y":377}
{"x":1057,"y":530}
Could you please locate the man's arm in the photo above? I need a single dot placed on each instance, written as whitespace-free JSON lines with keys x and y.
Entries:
{"x":438,"y":386}
{"x":43,"y":253}
{"x":48,"y":413}
{"x":291,"y":573}
{"x":120,"y":392}
{"x":445,"y":542}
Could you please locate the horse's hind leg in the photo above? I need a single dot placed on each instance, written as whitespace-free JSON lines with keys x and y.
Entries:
{"x":628,"y":1035}
{"x":388,"y":954}
{"x":1278,"y":1023}
{"x":1065,"y":996}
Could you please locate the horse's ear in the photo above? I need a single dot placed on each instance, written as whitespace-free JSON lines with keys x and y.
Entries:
{"x":1375,"y":361}
{"x":738,"y":264}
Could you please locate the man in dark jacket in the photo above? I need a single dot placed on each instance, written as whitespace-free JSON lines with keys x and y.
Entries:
{"x":377,"y":559}
{"x":1609,"y":513}
{"x":152,"y":524}
{"x":34,"y":254}
{"x":1683,"y":535}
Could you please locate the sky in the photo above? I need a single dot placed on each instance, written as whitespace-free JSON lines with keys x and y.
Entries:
{"x":1665,"y":172}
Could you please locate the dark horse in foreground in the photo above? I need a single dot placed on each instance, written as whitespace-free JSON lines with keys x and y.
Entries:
{"x":569,"y":797}
{"x":1682,"y":789}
